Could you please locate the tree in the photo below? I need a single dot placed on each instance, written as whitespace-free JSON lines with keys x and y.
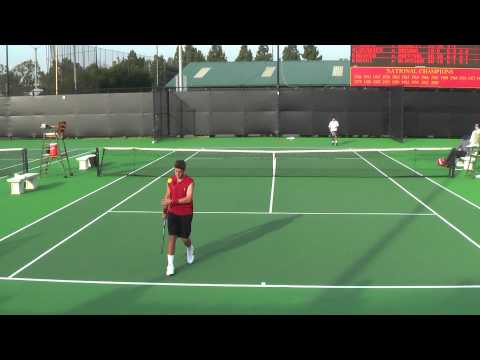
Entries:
{"x":216,"y":54}
{"x":22,"y":78}
{"x":189,"y":54}
{"x":192,"y":54}
{"x":245,"y":54}
{"x":166,"y":70}
{"x":310,"y":52}
{"x":290,"y":53}
{"x":131,"y":72}
{"x":263,"y":54}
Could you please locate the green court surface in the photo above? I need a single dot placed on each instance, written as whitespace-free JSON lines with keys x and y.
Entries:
{"x":264,"y":245}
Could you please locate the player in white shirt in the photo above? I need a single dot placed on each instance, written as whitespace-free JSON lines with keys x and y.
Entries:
{"x":475,"y":137}
{"x":333,"y":125}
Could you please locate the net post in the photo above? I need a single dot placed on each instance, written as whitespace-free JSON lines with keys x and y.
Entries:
{"x":25,"y":160}
{"x":97,"y":161}
{"x":100,"y":164}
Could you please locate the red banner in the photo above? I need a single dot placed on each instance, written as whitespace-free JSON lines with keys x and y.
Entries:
{"x":421,"y":77}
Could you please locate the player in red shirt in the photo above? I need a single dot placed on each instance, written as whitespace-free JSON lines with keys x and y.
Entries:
{"x":178,"y":208}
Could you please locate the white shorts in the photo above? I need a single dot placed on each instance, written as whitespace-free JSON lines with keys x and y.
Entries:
{"x":333,"y":133}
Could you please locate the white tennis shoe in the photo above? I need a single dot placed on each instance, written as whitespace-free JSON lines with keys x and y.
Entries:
{"x":170,"y":270}
{"x":190,"y":255}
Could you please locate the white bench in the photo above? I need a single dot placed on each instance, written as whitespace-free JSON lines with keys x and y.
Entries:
{"x":84,"y":161}
{"x":21,"y":182}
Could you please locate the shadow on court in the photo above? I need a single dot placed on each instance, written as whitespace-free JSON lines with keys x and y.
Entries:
{"x":239,"y":239}
{"x":122,"y":300}
{"x":9,"y":246}
{"x":51,"y":185}
{"x":347,"y":276}
{"x":125,"y":298}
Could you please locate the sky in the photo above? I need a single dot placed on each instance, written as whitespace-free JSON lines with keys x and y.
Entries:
{"x":20,"y":53}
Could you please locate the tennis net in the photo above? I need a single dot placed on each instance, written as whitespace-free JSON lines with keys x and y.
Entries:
{"x":13,"y":160}
{"x":399,"y":162}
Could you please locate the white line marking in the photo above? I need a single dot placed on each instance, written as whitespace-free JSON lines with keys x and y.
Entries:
{"x":75,"y":201}
{"x":53,"y":162}
{"x":275,"y":213}
{"x":91,"y":222}
{"x":274,"y":165}
{"x":32,"y":161}
{"x":29,"y":161}
{"x":56,"y":161}
{"x":421,"y":202}
{"x":279,"y":152}
{"x":11,"y":166}
{"x":293,"y":286}
{"x":434,"y":182}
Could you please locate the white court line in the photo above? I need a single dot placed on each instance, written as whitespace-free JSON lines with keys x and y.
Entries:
{"x":285,"y":286}
{"x":274,"y":165}
{"x":79,"y":199}
{"x":32,"y":161}
{"x":275,"y":213}
{"x":93,"y":221}
{"x":53,"y":162}
{"x":56,"y":161}
{"x":434,"y":182}
{"x":421,"y":202}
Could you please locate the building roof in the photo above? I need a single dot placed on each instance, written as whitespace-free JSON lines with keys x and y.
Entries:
{"x":264,"y":73}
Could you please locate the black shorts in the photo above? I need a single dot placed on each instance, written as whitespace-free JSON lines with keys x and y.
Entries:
{"x":180,"y":225}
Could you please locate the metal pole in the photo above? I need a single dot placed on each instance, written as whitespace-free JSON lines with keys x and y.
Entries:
{"x":180,"y":73}
{"x":56,"y":70}
{"x":277,"y":128}
{"x":75,"y":67}
{"x":157,"y":65}
{"x":36,"y":76}
{"x":278,"y":68}
{"x":8,"y":80}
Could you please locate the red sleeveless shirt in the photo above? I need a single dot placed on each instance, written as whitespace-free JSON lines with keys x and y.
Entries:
{"x":178,"y":190}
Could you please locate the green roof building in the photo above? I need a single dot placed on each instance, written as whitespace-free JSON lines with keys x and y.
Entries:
{"x":264,"y":73}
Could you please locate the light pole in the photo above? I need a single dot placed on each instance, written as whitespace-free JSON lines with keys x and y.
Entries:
{"x":56,"y":70}
{"x":157,"y":65}
{"x":35,"y":85}
{"x":75,"y":68}
{"x":8,"y":80}
{"x":180,"y":72}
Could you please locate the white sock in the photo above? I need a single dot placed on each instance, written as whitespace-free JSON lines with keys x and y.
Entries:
{"x":170,"y":260}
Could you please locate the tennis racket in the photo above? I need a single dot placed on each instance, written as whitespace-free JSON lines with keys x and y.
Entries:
{"x":163,"y":233}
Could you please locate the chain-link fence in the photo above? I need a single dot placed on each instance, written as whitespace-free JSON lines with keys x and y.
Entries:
{"x":69,"y":69}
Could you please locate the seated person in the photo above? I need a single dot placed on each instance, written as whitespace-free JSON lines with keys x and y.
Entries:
{"x":462,"y":150}
{"x":475,"y":137}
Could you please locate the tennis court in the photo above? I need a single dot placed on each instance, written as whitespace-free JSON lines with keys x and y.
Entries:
{"x":271,"y":236}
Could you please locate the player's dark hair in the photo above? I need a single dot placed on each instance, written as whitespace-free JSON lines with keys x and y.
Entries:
{"x":180,"y":164}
